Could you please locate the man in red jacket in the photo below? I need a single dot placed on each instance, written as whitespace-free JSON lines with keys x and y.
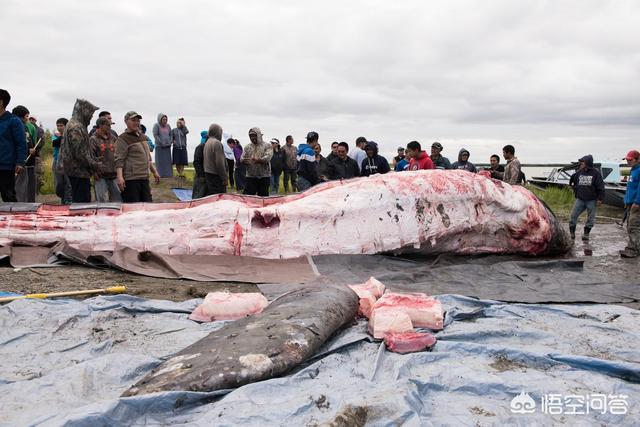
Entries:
{"x":418,"y":159}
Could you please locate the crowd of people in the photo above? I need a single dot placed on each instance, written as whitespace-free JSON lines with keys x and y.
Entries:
{"x":120,"y":165}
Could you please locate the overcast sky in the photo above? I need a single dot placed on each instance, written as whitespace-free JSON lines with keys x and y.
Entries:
{"x":557,"y":79}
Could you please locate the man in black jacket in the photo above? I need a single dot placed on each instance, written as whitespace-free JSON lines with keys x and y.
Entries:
{"x":343,"y":166}
{"x":277,"y":165}
{"x":588,"y":186}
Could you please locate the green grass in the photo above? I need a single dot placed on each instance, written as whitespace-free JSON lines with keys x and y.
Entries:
{"x":560,"y":200}
{"x":48,"y":186}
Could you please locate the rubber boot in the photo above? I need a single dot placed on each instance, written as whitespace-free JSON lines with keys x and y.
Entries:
{"x":572,"y":231}
{"x":585,"y":235}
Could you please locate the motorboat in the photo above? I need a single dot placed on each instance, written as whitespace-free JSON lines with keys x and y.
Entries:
{"x":615,"y":184}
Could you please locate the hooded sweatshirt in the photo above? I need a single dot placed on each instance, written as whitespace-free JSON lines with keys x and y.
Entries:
{"x":198,"y":155}
{"x":228,"y":151}
{"x":632,"y":195}
{"x":179,"y":137}
{"x":375,"y":164}
{"x":13,"y":143}
{"x":464,"y":165}
{"x":214,"y":160}
{"x":32,"y":141}
{"x":78,"y":159}
{"x":588,"y":183}
{"x":162,"y":134}
{"x":307,"y":165}
{"x":422,"y":162}
{"x":262,"y":151}
{"x":104,"y":151}
{"x":441,"y":162}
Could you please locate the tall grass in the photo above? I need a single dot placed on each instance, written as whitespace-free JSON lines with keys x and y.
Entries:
{"x":48,"y":186}
{"x":46,"y":155}
{"x":559,"y":199}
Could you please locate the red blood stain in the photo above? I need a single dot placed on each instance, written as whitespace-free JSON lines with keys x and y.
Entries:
{"x":236,"y":239}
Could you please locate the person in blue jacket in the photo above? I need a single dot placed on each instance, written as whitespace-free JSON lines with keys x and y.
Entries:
{"x":308,"y":174}
{"x":13,"y":149}
{"x":632,"y":203}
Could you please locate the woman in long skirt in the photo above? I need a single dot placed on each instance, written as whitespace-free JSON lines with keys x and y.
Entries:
{"x":162,"y":136}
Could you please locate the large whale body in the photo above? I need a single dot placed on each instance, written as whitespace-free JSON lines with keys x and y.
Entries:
{"x":431,"y":211}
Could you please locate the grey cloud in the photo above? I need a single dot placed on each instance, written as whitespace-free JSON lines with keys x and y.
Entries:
{"x":558,"y":75}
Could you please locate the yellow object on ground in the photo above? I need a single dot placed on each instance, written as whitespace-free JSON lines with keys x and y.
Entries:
{"x":111,"y":290}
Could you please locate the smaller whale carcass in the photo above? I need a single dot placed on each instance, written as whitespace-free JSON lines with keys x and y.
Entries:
{"x":289,"y":331}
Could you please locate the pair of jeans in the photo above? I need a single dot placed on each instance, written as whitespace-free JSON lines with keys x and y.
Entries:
{"x":214,"y":184}
{"x":80,"y":189}
{"x":257,"y":186}
{"x":26,"y":185}
{"x":633,"y":229}
{"x":275,"y":183}
{"x":290,"y":175}
{"x":579,"y":207}
{"x":199,"y":187}
{"x":240,"y":173}
{"x":106,"y":190}
{"x":303,"y":183}
{"x":136,"y":191}
{"x":230,"y":165}
{"x":8,"y":185}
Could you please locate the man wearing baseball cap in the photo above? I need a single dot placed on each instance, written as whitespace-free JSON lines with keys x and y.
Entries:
{"x":133,"y":162}
{"x":308,"y":174}
{"x":439,"y":161}
{"x":632,"y":203}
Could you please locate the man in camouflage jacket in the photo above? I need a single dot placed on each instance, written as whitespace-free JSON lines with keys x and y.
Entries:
{"x":78,"y":160}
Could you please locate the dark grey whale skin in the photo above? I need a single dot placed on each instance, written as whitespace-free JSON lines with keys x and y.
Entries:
{"x":288,"y":332}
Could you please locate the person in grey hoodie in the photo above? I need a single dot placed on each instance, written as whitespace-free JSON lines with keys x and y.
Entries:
{"x":215,"y":163}
{"x":463,"y":162}
{"x":162,"y":137}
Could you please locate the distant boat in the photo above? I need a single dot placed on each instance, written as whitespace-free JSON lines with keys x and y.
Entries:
{"x":614,"y":183}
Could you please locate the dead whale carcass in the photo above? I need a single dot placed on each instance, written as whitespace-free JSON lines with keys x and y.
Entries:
{"x":288,"y":332}
{"x":427,"y":211}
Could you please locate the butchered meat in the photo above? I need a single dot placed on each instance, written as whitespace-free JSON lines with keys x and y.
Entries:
{"x":389,"y":320}
{"x":424,"y":311}
{"x":409,"y":342}
{"x":228,"y":306}
{"x":367,"y":300}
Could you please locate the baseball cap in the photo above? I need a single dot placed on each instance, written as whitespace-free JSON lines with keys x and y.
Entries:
{"x":131,"y":115}
{"x":632,"y":154}
{"x":103,"y":121}
{"x":400,"y":148}
{"x":312,"y":135}
{"x":275,"y":141}
{"x":437,"y":145}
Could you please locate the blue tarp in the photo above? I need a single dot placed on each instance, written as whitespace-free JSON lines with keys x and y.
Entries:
{"x":183,"y":194}
{"x":66,"y":362}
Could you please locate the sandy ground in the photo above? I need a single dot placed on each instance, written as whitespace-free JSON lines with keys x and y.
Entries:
{"x":600,"y":254}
